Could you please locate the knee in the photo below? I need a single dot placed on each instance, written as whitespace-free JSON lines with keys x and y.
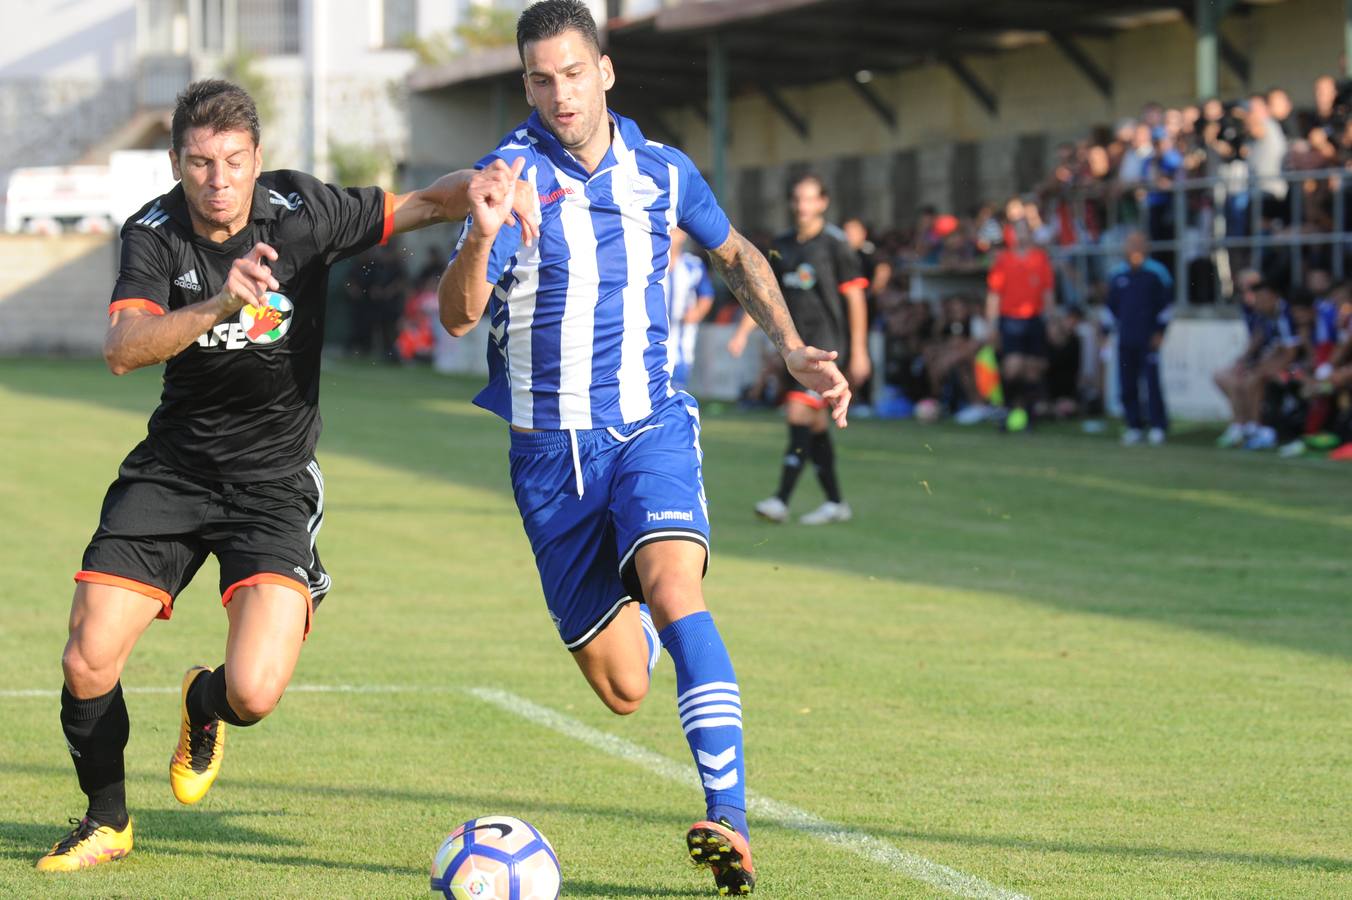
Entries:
{"x":87,"y":675}
{"x":623,"y":696}
{"x":252,"y":699}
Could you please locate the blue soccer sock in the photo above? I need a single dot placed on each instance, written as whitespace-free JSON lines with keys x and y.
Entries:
{"x":650,"y":636}
{"x":710,"y":706}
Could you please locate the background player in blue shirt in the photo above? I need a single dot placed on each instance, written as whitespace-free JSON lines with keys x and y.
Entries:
{"x":690,"y":296}
{"x":1140,"y":299}
{"x":605,"y":459}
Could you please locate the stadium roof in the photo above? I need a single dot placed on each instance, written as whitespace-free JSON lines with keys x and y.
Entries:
{"x":663,"y":58}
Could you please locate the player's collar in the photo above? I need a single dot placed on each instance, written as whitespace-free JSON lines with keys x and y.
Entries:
{"x":176,"y":205}
{"x":624,"y":137}
{"x":263,"y":207}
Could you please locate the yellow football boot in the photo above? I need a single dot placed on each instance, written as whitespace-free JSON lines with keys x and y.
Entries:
{"x":197,"y":758}
{"x":87,"y":845}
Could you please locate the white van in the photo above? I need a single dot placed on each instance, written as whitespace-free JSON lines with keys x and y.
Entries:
{"x":89,"y":199}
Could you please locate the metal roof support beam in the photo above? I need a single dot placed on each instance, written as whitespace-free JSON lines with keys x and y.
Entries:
{"x":788,"y":113}
{"x":1205,"y":17}
{"x":875,"y":103}
{"x":1347,"y":38}
{"x":662,"y":128}
{"x":1085,"y":63}
{"x":974,"y":85}
{"x":718,"y":114}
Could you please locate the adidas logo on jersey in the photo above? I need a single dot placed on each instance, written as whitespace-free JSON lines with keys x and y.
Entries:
{"x":188,"y":281}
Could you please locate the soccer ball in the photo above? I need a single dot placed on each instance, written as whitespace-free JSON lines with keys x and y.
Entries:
{"x":496,"y":858}
{"x":927,"y":410}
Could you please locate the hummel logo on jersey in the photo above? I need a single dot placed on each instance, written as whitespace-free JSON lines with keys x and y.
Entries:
{"x":188,"y":281}
{"x":669,"y":515}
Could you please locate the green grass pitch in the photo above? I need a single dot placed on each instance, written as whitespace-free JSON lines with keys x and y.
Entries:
{"x":1058,"y":666}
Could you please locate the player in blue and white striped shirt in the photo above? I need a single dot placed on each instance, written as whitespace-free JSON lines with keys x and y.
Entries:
{"x":605,"y":457}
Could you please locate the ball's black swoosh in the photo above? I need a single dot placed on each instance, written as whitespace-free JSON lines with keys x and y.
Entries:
{"x":503,"y":829}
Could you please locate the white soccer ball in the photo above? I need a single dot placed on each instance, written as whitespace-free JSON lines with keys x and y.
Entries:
{"x":496,"y":858}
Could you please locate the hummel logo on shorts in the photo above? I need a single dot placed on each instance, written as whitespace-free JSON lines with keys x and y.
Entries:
{"x":188,"y":281}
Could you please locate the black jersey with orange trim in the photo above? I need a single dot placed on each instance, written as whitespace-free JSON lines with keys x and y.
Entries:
{"x":242,"y":402}
{"x":812,"y":275}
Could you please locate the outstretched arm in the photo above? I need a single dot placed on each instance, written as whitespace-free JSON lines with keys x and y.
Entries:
{"x":447,"y":200}
{"x":752,"y":282}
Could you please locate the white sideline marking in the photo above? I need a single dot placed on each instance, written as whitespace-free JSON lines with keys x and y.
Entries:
{"x":293,"y":689}
{"x":910,"y":865}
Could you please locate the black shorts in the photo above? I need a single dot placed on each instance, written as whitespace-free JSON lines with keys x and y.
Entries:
{"x":1023,"y":337}
{"x":158,"y":526}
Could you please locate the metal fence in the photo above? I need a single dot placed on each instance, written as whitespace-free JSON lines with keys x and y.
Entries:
{"x":1235,"y":221}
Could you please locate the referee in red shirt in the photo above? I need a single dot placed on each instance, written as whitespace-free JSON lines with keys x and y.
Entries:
{"x":1020,"y":288}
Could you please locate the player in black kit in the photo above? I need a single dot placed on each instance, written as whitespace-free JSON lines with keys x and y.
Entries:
{"x":824,"y":289}
{"x":223,"y":279}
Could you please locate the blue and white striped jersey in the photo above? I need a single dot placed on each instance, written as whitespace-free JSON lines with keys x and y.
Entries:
{"x":578,"y":321}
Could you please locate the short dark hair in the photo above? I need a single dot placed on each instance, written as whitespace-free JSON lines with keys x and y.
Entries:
{"x":551,"y":18}
{"x":215,"y":104}
{"x":806,"y":177}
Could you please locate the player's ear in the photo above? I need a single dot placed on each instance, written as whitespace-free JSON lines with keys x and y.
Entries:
{"x":525,"y":82}
{"x":258,"y":158}
{"x":173,"y":164}
{"x":607,"y":73}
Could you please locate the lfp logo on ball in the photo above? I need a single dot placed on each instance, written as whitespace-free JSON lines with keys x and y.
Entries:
{"x":269,"y":323}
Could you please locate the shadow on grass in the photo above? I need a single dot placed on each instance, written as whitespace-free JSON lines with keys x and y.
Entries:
{"x":172,"y":832}
{"x":600,"y":889}
{"x":1235,"y":545}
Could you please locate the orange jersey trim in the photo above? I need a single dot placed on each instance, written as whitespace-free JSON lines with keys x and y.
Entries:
{"x":280,"y":580}
{"x":388,"y":230}
{"x":140,"y":303}
{"x":129,"y":584}
{"x":807,"y":399}
{"x":860,"y":282}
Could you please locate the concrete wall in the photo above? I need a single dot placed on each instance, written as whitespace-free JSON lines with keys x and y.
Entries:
{"x":54,"y":293}
{"x":73,"y":39}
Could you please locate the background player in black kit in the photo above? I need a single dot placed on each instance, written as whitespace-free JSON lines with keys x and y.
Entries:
{"x":223,"y":279}
{"x":824,"y":289}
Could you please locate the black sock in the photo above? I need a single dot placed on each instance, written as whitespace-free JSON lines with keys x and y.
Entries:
{"x":207,"y":700}
{"x":96,"y":733}
{"x":824,"y":461}
{"x":800,"y":436}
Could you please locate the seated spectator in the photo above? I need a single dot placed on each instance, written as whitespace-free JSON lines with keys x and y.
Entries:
{"x":1140,"y":298}
{"x":949,"y":359}
{"x":1332,"y":385}
{"x":1063,"y":365}
{"x":417,"y":338}
{"x":908,"y":326}
{"x":1272,"y":347}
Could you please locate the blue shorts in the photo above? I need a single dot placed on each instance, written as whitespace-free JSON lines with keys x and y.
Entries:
{"x":590,"y":498}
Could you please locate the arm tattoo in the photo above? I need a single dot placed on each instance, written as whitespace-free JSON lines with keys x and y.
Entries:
{"x":749,"y":277}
